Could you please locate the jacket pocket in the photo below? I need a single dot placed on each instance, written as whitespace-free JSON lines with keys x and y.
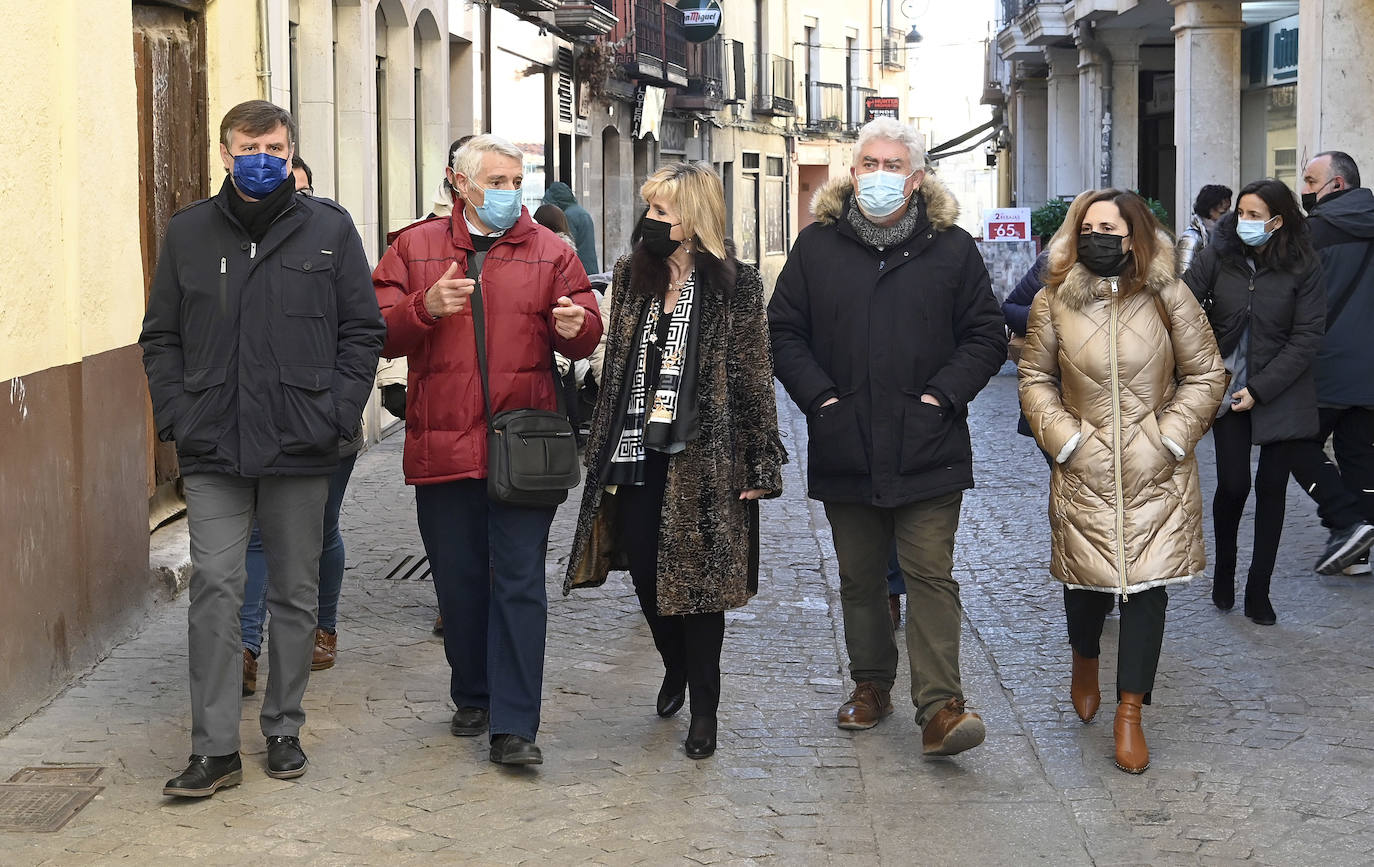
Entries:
{"x":835,"y":442}
{"x":306,"y":284}
{"x":306,"y":424}
{"x":199,"y":419}
{"x":928,"y":437}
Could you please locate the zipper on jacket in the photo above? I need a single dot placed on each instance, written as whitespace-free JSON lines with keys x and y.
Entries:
{"x":1113,"y":372}
{"x":253,"y":250}
{"x":223,"y":284}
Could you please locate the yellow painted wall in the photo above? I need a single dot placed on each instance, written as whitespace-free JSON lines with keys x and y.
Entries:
{"x":73,"y":273}
{"x":73,"y":283}
{"x":232,"y":38}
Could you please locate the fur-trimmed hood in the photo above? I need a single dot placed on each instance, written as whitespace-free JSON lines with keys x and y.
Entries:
{"x":1081,"y":286}
{"x":941,"y":207}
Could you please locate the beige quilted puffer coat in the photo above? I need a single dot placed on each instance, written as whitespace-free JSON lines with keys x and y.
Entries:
{"x":1120,"y":400}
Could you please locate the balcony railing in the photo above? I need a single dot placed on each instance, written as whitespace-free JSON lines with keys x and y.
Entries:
{"x":857,"y":95}
{"x":774,"y":90}
{"x":530,"y":5}
{"x":705,"y":89}
{"x":585,"y":17}
{"x":654,"y":41}
{"x":824,"y":105}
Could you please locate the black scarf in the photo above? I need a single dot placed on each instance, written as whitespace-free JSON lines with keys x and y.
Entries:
{"x":257,"y":217}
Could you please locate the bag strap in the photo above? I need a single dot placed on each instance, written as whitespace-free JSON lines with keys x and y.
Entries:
{"x":479,"y":329}
{"x":1164,"y":313}
{"x":1349,"y":291}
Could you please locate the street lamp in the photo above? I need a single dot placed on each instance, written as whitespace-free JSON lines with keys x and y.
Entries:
{"x":914,"y":36}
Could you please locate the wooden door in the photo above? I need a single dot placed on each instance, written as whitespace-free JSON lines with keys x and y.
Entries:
{"x":173,"y":148}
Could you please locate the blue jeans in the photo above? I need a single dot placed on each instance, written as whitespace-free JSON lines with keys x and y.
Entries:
{"x":254,"y":610}
{"x":896,"y":581}
{"x":487,"y":560}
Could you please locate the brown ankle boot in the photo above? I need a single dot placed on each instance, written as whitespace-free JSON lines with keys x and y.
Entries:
{"x":326,"y":644}
{"x":1132,"y":754}
{"x":250,"y":672}
{"x":1083,"y":689}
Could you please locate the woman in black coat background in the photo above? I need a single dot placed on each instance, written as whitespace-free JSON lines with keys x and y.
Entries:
{"x":1262,"y":285}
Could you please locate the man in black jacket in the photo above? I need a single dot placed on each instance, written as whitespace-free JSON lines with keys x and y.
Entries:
{"x":884,"y":328}
{"x":1341,"y":217}
{"x":260,"y":343}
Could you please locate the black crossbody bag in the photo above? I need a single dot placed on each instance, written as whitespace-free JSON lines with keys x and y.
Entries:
{"x":531,"y":453}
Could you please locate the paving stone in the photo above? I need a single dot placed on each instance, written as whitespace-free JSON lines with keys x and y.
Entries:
{"x":1262,"y":738}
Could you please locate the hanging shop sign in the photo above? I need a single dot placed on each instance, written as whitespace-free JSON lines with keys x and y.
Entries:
{"x":700,"y":19}
{"x":881,"y":106}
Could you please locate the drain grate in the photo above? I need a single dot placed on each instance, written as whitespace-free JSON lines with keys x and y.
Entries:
{"x":41,"y":807}
{"x":59,"y":775}
{"x":407,"y":566}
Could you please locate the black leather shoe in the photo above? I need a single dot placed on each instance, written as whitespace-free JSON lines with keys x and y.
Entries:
{"x":204,"y":775}
{"x":701,"y":737}
{"x":469,"y":722}
{"x":285,"y":758}
{"x":672,"y":695}
{"x":514,"y":750}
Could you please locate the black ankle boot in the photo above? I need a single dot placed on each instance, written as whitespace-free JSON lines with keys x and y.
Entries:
{"x":701,"y":737}
{"x":1224,"y":593}
{"x":672,"y":694}
{"x":1257,"y":606}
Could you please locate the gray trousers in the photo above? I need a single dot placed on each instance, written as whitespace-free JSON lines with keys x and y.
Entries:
{"x":219,"y":512}
{"x":924,"y":534}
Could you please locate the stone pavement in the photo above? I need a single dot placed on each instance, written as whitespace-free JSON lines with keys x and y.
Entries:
{"x":1261,"y":737}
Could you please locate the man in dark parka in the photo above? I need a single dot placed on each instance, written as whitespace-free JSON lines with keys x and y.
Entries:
{"x":884,"y":327}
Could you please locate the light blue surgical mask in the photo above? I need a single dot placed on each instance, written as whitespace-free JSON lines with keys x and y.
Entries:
{"x":1252,"y":232}
{"x":499,"y":209}
{"x":881,"y":193}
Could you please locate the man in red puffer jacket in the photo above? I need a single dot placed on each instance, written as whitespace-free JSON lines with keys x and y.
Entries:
{"x":487,"y":558}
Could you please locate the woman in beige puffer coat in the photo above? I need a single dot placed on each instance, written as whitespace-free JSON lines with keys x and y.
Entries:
{"x":1120,"y":378}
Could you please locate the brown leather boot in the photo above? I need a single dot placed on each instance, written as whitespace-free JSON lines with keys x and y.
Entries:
{"x":250,"y":672}
{"x":1132,"y":754}
{"x":868,"y":704}
{"x":952,"y":730}
{"x":325,"y":645}
{"x":1083,"y":689}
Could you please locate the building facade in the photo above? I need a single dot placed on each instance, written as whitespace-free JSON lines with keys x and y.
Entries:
{"x":1164,"y":96}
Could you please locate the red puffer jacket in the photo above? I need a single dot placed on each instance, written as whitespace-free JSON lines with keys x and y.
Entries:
{"x":524,"y":274}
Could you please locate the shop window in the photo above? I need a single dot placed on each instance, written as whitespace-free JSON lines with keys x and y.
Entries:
{"x":775,"y":208}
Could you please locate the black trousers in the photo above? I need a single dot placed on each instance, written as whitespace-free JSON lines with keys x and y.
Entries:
{"x":1142,"y":633}
{"x":1352,"y":431}
{"x":689,"y":644}
{"x":1306,"y":462}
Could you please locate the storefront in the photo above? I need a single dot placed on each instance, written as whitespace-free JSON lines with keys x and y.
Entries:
{"x":1269,"y":105}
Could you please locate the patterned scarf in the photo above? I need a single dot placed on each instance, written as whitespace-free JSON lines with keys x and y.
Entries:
{"x":648,"y":425}
{"x":887,"y":236}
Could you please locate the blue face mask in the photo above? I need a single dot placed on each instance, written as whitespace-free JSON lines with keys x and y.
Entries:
{"x":881,"y":193}
{"x":258,"y":174}
{"x":499,"y":209}
{"x":1252,"y":231}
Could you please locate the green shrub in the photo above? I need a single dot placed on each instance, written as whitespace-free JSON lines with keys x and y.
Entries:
{"x":1046,"y":219}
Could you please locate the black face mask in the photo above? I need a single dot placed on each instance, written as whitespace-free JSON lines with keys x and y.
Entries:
{"x":653,"y":234}
{"x":1309,"y":201}
{"x":1101,"y":254}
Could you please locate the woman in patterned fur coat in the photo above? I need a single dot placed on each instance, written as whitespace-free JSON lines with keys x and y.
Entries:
{"x":684,"y":440}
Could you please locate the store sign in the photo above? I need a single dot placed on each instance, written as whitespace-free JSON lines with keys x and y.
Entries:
{"x":700,"y":19}
{"x":1007,"y":224}
{"x":648,"y":114}
{"x":674,"y":139}
{"x":1283,"y":51}
{"x":881,"y":106}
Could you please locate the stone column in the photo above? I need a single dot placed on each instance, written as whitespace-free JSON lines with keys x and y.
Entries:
{"x":1063,"y":149}
{"x":1206,"y":96}
{"x":1090,"y":111}
{"x":1335,"y":81}
{"x":1030,"y":132}
{"x":1124,"y":46}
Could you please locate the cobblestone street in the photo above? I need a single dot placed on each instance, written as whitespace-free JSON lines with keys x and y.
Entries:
{"x":1262,"y":739}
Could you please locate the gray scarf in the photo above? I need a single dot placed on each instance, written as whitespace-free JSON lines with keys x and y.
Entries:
{"x":887,"y":236}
